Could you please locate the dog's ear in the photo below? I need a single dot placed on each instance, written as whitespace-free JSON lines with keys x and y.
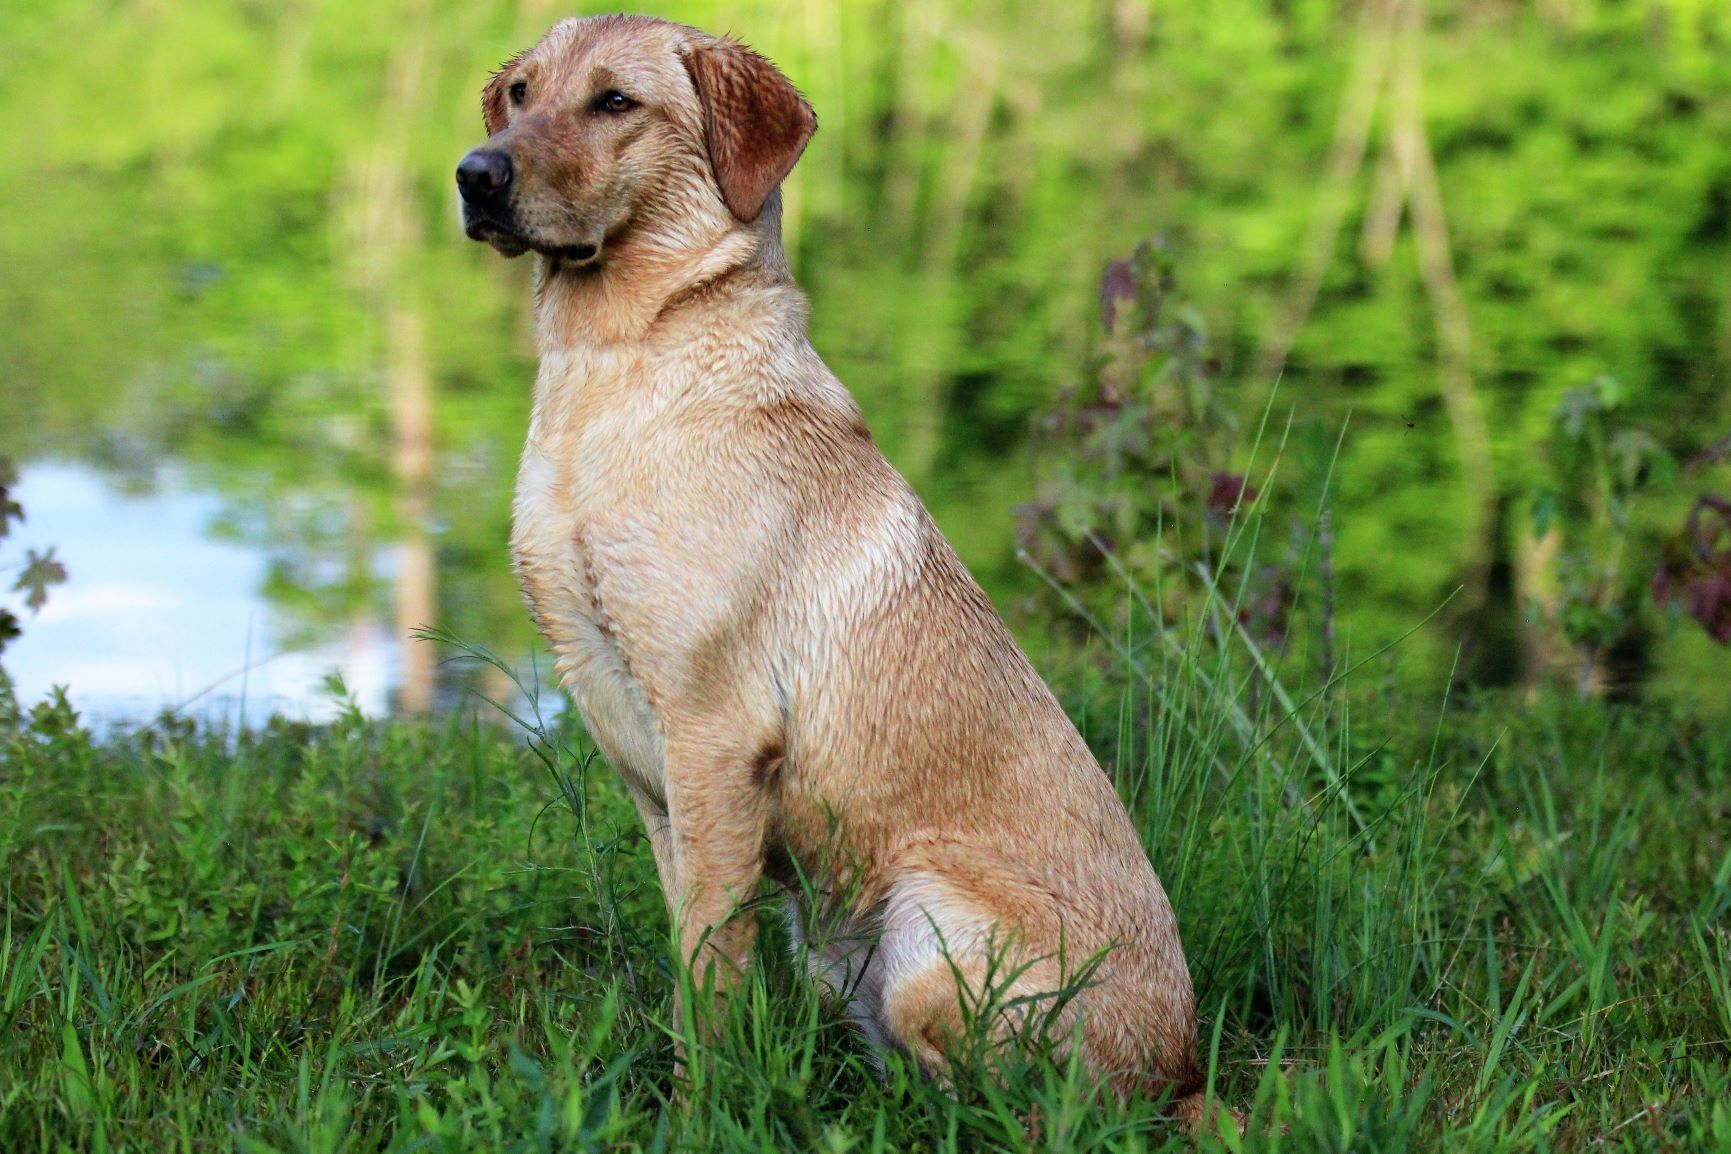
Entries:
{"x":755,"y":120}
{"x":494,"y":96}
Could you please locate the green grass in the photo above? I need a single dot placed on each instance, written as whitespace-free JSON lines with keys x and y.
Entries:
{"x":1496,"y":925}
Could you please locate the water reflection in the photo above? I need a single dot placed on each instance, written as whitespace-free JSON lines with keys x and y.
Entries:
{"x":160,"y":614}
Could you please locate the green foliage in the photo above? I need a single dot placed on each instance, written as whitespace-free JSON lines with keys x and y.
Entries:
{"x":1139,"y":519}
{"x":1600,"y":466}
{"x":1132,"y":460}
{"x":1695,"y":562}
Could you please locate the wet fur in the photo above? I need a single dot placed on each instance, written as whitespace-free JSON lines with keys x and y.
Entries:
{"x":759,"y":622}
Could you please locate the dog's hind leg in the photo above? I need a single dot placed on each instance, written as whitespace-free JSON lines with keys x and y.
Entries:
{"x":952,"y":976}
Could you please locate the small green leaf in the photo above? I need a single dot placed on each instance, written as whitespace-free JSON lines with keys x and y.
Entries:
{"x":1610,"y":391}
{"x":40,"y":571}
{"x":1574,"y":410}
{"x":10,"y":510}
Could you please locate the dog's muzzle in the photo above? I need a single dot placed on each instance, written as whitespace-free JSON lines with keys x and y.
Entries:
{"x":484,"y":182}
{"x":484,"y":178}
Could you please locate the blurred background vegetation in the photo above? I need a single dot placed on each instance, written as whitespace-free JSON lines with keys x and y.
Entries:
{"x":1472,"y":259}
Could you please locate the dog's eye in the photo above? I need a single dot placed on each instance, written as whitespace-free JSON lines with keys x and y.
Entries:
{"x":614,"y":101}
{"x":518,"y":91}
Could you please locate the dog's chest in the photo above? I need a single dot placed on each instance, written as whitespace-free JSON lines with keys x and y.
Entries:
{"x":569,"y":490}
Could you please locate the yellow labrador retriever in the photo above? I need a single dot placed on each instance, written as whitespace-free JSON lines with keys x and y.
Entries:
{"x":761,"y":626}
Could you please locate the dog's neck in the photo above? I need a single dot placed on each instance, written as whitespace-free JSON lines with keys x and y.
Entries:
{"x":643,"y":277}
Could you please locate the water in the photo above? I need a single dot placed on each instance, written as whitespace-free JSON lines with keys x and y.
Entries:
{"x":158,"y":613}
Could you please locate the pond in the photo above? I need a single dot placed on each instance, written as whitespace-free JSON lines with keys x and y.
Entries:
{"x":267,"y":400}
{"x":164,"y":614}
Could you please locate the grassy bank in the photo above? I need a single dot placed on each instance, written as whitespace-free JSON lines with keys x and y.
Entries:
{"x":1499,"y":925}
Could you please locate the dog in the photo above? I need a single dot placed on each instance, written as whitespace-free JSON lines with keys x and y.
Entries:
{"x":761,"y":626}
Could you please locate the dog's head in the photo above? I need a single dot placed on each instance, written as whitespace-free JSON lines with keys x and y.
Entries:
{"x":618,"y":122}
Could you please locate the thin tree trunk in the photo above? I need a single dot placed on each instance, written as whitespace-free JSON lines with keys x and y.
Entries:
{"x":1387,"y":205}
{"x":905,"y":159}
{"x":1436,"y":268}
{"x":411,"y":396}
{"x":1545,"y":650}
{"x":396,"y":236}
{"x":941,"y":247}
{"x":1345,"y":159}
{"x":819,"y":177}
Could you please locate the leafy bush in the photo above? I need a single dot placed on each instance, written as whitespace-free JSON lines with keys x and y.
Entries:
{"x":1599,"y":466}
{"x":1602,"y":469}
{"x":1136,"y":488}
{"x":35,"y":573}
{"x":1694,"y":570}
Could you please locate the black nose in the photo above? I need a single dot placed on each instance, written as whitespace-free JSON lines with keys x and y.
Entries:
{"x":483,"y":175}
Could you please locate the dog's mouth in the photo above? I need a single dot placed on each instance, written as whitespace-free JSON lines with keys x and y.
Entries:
{"x":490,"y":230}
{"x":478,"y":224}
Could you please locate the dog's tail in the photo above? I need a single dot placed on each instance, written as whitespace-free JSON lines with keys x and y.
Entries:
{"x":1199,"y":1113}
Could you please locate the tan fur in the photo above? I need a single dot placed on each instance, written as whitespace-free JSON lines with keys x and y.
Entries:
{"x":761,"y":626}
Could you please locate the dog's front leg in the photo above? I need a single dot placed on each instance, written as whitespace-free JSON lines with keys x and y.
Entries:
{"x":717,"y":818}
{"x":658,"y":828}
